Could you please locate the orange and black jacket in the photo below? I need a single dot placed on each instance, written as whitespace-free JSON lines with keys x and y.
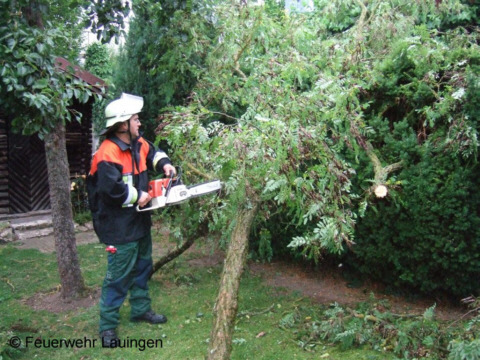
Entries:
{"x":114,"y":185}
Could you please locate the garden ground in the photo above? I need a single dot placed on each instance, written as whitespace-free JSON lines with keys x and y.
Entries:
{"x":324,"y":285}
{"x":281,"y":307}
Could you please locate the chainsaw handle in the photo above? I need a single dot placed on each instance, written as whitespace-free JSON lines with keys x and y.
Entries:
{"x":178,"y":177}
{"x":145,"y":208}
{"x":169,"y":186}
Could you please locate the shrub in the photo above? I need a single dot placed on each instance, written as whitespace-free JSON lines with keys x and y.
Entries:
{"x":425,"y":235}
{"x":429,"y":238}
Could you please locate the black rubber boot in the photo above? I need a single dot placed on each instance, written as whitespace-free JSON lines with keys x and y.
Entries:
{"x":109,"y":338}
{"x":151,"y":318}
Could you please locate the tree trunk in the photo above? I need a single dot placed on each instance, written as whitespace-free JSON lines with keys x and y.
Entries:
{"x":72,"y":284}
{"x":225,"y":310}
{"x":179,"y":250}
{"x":190,"y":234}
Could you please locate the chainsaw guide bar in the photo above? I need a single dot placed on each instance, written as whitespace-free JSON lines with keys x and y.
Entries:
{"x":167,"y":192}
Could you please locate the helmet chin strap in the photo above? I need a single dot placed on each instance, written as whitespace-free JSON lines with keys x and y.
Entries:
{"x":129,"y":132}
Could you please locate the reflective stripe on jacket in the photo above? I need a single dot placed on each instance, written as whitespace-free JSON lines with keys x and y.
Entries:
{"x":114,"y":185}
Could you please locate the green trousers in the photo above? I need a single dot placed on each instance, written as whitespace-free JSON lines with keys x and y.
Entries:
{"x":128,"y":270}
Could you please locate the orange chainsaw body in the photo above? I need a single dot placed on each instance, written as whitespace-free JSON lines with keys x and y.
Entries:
{"x":157,"y":187}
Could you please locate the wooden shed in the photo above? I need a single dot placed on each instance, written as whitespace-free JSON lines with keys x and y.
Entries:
{"x":23,"y":171}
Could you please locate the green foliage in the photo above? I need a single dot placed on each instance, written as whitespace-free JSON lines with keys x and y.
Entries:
{"x":269,"y":148}
{"x":163,"y":54}
{"x":33,"y":90}
{"x":67,"y":17}
{"x":375,"y":325}
{"x":338,"y":15}
{"x":421,"y":110}
{"x":97,"y":61}
{"x":105,"y":18}
{"x":263,"y":247}
{"x":433,"y":242}
{"x":32,"y":35}
{"x":288,"y":110}
{"x":79,"y":196}
{"x":464,"y":350}
{"x":468,"y":346}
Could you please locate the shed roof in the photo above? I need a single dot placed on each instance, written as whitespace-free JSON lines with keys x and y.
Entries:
{"x":96,"y":83}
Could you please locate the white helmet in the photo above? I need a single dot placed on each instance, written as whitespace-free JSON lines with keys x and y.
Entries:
{"x":122,"y":109}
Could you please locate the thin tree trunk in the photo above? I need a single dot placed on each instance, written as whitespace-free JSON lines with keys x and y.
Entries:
{"x":226,"y":306}
{"x":190,"y":234}
{"x":72,"y":284}
{"x":172,"y":255}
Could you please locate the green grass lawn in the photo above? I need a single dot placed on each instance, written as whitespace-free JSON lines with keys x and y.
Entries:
{"x":185,"y":293}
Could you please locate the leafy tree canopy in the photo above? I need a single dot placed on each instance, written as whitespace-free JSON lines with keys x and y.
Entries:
{"x":33,"y":34}
{"x":163,"y":53}
{"x":32,"y":87}
{"x":306,"y":112}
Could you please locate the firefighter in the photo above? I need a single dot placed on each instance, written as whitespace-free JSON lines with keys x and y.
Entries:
{"x":116,"y":184}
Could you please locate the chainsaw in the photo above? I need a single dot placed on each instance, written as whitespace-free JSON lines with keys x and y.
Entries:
{"x":171,"y":191}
